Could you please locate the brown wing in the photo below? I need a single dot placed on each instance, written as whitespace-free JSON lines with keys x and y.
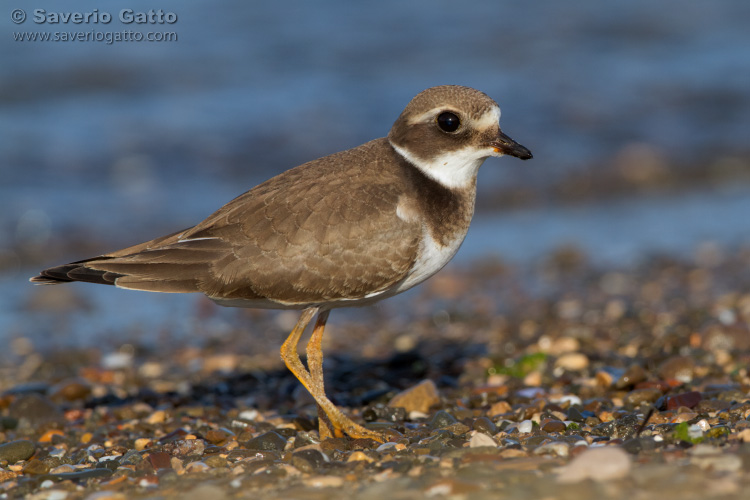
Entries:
{"x":323,"y":231}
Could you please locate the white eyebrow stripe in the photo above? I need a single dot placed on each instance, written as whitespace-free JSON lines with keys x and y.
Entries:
{"x":489,"y":119}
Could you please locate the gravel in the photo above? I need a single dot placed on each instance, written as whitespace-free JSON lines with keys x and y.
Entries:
{"x":559,"y":381}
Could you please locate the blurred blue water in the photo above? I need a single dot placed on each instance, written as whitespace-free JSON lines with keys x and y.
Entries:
{"x":576,"y":81}
{"x":122,"y":142}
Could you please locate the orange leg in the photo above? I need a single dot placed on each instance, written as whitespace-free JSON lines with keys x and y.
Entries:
{"x":313,"y":379}
{"x":315,"y":365}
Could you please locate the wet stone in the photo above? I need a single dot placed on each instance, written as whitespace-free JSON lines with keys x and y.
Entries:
{"x":481,"y":440}
{"x":303,"y":424}
{"x":458,"y":429}
{"x":52,"y":462}
{"x":712,"y":405}
{"x":286,"y":432}
{"x":732,"y":395}
{"x":217,"y":436}
{"x":304,"y":439}
{"x":35,"y":468}
{"x":556,"y":448}
{"x":335,"y":444}
{"x":536,"y":440}
{"x":552,"y":425}
{"x":485,"y":425}
{"x":16,"y":451}
{"x":741,"y":410}
{"x":270,"y":441}
{"x":205,"y":491}
{"x":309,"y":460}
{"x":639,"y":444}
{"x":216,"y":461}
{"x":383,"y":412}
{"x":259,"y":455}
{"x":686,"y":399}
{"x":131,"y":457}
{"x":70,"y":390}
{"x":185,"y":447}
{"x":441,"y":420}
{"x":8,"y":423}
{"x":160,"y":460}
{"x":604,"y":429}
{"x":634,"y":375}
{"x":109,"y":464}
{"x":363,"y":444}
{"x":418,"y":398}
{"x":27,"y":388}
{"x":575,"y":414}
{"x":174,"y":435}
{"x":717,"y":432}
{"x":572,"y":361}
{"x":627,"y":426}
{"x":638,"y":396}
{"x":623,"y":428}
{"x":592,"y":421}
{"x":81,"y":475}
{"x":677,"y":368}
{"x":600,"y":464}
{"x":34,"y":410}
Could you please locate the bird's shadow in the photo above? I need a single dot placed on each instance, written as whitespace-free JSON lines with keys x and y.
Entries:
{"x":350,"y":381}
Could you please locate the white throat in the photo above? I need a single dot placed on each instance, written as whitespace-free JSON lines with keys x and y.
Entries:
{"x":457,"y":169}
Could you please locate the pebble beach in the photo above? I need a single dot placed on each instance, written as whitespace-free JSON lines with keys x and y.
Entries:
{"x":559,"y":380}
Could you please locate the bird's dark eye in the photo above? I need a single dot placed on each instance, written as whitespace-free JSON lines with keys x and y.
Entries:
{"x":448,"y":122}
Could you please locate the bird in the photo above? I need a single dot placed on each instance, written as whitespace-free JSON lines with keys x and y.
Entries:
{"x":344,"y":230}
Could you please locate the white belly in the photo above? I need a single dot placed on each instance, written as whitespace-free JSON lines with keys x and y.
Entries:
{"x":432,"y":257}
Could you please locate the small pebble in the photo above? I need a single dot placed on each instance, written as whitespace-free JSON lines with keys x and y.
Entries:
{"x":267,"y":441}
{"x":359,"y":456}
{"x":602,"y":464}
{"x":324,"y":481}
{"x":635,"y":374}
{"x":107,"y":495}
{"x":309,"y":459}
{"x":638,"y":396}
{"x":34,"y":410}
{"x":718,"y":462}
{"x":678,"y":368}
{"x":142,"y":443}
{"x":36,"y":468}
{"x":480,"y":439}
{"x":249,"y":415}
{"x":686,"y":399}
{"x":159,"y":460}
{"x":530,"y":392}
{"x":16,"y":451}
{"x":499,"y":408}
{"x":485,"y":425}
{"x":216,"y":462}
{"x":442,"y":419}
{"x":195,"y":467}
{"x":417,"y":398}
{"x":217,"y":436}
{"x":73,"y":389}
{"x":552,"y":425}
{"x":555,"y":448}
{"x":62,"y":468}
{"x":572,"y":361}
{"x":158,"y":417}
{"x":525,"y":427}
{"x":205,"y":492}
{"x":83,"y":474}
